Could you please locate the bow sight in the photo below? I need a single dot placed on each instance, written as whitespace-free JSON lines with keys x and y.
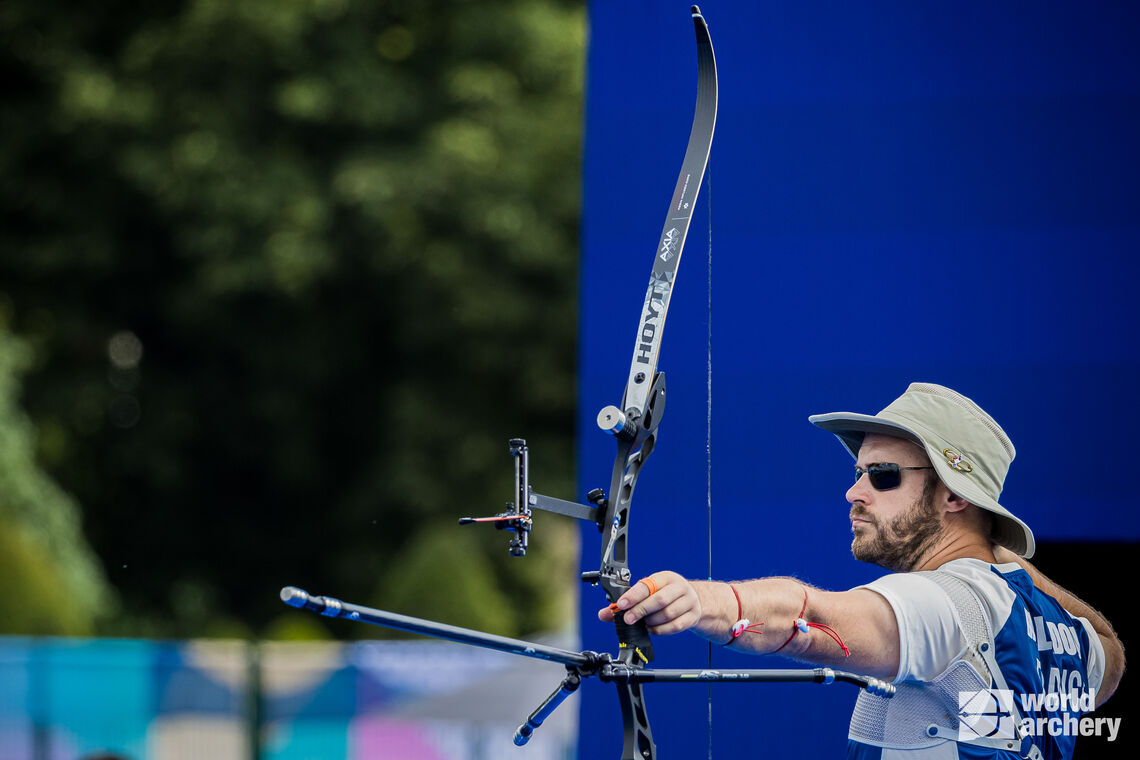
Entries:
{"x":517,"y":517}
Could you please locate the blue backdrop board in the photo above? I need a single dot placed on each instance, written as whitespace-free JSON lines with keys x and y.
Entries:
{"x":898,"y":191}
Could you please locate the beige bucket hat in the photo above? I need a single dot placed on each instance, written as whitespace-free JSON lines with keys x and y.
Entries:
{"x":969,"y":450}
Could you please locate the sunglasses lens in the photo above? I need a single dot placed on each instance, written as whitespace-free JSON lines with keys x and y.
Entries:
{"x":885,"y":476}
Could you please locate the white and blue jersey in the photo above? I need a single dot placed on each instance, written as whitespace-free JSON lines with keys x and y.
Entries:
{"x":988,"y":666}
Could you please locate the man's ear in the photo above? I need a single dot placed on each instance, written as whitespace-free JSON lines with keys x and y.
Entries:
{"x":952,"y":502}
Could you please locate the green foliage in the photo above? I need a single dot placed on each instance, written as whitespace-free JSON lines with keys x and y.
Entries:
{"x":292,"y":272}
{"x":53,"y":583}
{"x":435,"y":562}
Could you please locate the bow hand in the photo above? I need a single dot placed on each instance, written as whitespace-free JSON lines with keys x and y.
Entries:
{"x":672,"y":607}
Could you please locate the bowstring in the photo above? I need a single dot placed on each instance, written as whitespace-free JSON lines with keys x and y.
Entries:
{"x":708,"y":422}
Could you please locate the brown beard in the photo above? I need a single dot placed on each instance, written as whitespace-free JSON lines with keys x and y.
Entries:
{"x":902,"y":542}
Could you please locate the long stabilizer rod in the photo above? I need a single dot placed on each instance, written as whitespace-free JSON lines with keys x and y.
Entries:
{"x":330,"y":607}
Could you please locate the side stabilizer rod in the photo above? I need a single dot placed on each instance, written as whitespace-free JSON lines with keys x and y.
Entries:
{"x":624,"y":674}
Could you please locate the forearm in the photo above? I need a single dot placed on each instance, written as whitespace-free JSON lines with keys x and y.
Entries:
{"x":769,"y":604}
{"x":858,"y":624}
{"x":1075,"y":606}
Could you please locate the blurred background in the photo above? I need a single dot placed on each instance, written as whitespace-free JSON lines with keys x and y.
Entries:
{"x":270,"y":276}
{"x":280,"y":278}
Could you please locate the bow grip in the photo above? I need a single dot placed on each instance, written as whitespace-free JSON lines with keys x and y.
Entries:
{"x":634,"y":645}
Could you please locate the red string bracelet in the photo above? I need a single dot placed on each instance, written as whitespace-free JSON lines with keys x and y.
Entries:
{"x":742,"y":625}
{"x":799,"y":625}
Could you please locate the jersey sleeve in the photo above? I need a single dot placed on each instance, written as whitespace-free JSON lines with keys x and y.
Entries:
{"x":930,"y":635}
{"x":1094,"y":668}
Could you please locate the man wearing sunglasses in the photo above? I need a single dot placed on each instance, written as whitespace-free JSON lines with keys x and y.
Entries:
{"x":990,"y":658}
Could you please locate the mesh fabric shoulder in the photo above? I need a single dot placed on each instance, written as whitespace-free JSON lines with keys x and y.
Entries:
{"x":902,"y":722}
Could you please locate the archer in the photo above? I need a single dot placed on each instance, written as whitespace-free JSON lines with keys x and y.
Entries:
{"x":962,"y":620}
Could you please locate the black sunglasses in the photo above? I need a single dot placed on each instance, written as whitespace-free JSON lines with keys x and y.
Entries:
{"x":884,"y":475}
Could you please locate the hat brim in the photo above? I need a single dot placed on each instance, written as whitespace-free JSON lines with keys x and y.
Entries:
{"x":850,"y":428}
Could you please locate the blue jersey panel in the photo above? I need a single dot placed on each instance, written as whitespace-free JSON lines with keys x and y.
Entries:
{"x":1043,"y":652}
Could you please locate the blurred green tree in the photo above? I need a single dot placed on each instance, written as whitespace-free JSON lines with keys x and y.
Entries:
{"x":53,"y":583}
{"x":291,"y":273}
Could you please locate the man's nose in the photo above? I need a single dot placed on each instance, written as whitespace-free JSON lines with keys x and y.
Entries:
{"x":859,"y":489}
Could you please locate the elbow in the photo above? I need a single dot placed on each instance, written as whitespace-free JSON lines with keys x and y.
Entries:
{"x":1114,"y":667}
